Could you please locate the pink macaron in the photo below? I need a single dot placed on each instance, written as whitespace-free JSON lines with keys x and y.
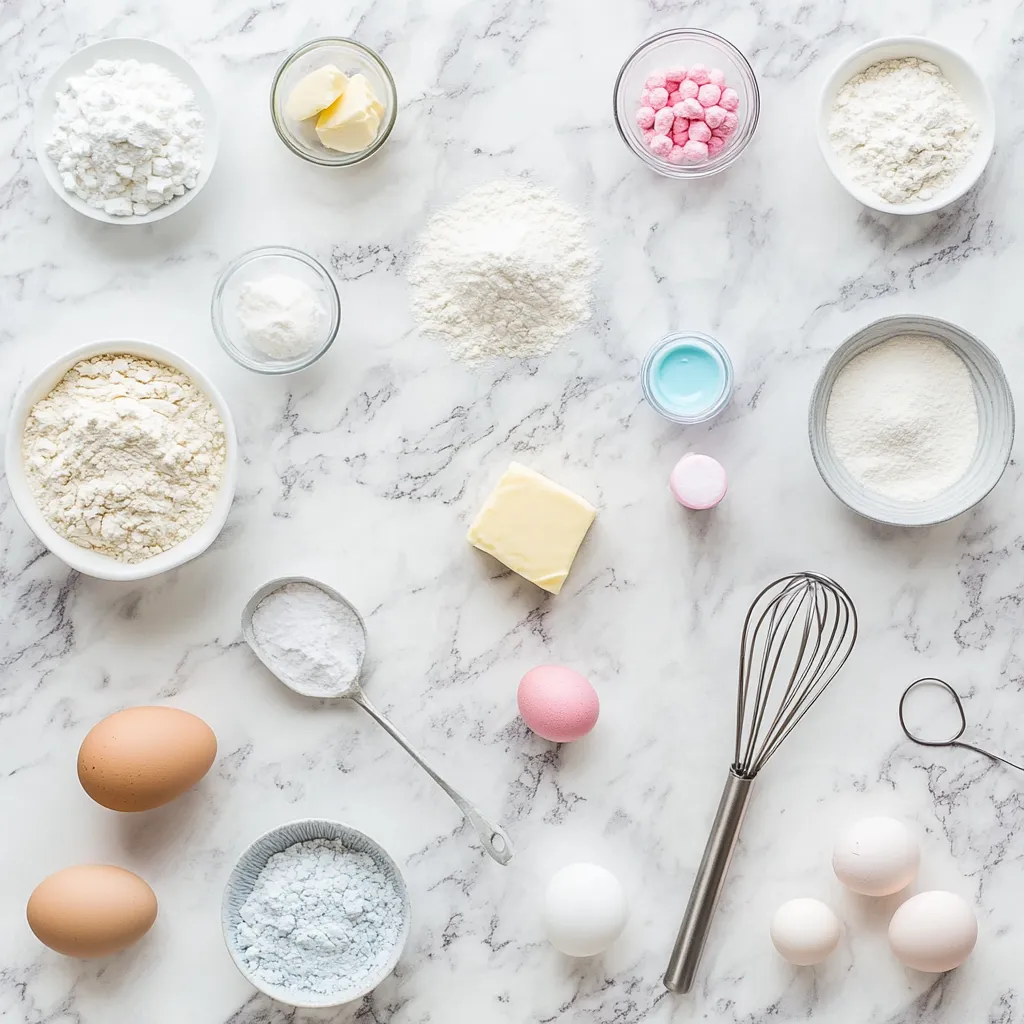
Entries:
{"x":557,"y":703}
{"x":698,"y":482}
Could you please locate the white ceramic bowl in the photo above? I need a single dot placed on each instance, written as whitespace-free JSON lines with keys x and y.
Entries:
{"x":122,"y":49}
{"x":92,"y":563}
{"x":243,"y":878}
{"x":960,"y":74}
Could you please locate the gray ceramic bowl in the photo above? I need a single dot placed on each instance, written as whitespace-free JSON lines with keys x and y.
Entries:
{"x":995,"y":425}
{"x":243,"y":877}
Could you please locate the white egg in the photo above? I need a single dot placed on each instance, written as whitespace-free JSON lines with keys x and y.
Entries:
{"x":584,"y":910}
{"x":876,"y":856}
{"x":933,"y":932}
{"x":805,"y":931}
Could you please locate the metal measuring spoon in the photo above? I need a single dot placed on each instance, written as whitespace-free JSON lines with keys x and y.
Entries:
{"x":494,"y":838}
{"x":954,"y":740}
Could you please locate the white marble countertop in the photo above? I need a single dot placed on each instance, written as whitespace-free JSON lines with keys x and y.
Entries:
{"x":366,"y":470}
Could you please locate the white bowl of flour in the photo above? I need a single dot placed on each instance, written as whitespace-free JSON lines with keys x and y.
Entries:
{"x":911,"y":421}
{"x":901,"y":140}
{"x":331,"y":939}
{"x":202,"y":523}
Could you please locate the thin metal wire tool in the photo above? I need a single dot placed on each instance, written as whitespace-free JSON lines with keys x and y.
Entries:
{"x":797,"y":635}
{"x":954,"y":740}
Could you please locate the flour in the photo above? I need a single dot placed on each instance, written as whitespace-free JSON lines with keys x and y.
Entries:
{"x":309,"y":639}
{"x":902,"y":130}
{"x":320,"y":919}
{"x":124,"y":456}
{"x":903,"y":419}
{"x":127,"y":137}
{"x":505,"y":271}
{"x":281,"y":316}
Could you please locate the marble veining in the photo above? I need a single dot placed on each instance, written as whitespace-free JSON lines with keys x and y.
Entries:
{"x":366,"y":470}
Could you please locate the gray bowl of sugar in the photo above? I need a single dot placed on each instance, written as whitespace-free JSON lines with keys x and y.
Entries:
{"x":893,"y":429}
{"x":331,"y":940}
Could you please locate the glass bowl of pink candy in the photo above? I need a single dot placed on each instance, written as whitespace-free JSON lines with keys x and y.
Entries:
{"x":714,"y":105}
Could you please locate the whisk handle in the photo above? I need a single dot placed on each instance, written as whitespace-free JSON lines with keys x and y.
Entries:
{"x":707,"y":887}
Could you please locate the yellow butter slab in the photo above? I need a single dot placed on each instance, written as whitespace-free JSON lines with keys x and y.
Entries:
{"x":532,"y":525}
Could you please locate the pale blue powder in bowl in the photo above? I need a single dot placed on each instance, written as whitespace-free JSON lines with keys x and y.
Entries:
{"x":315,"y":913}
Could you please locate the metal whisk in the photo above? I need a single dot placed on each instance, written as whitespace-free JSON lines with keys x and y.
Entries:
{"x":797,"y":635}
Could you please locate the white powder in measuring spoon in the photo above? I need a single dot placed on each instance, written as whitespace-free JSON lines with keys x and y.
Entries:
{"x":307,"y":638}
{"x":903,"y":419}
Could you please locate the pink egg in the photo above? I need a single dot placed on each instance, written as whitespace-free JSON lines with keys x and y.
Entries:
{"x":557,"y":703}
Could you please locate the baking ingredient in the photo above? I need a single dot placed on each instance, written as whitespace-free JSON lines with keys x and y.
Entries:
{"x":805,"y":931}
{"x":690,"y":119}
{"x":321,"y":918}
{"x":902,"y":130}
{"x":876,"y":856}
{"x":352,"y":121}
{"x":532,"y":525}
{"x":902,"y":418}
{"x":315,"y":92}
{"x":585,"y":910}
{"x":505,"y":271}
{"x":144,"y":757}
{"x":312,"y":641}
{"x":558,"y":703}
{"x":127,"y":137}
{"x":281,"y":316}
{"x":686,"y":379}
{"x":933,"y":932}
{"x":698,"y":481}
{"x":91,"y":910}
{"x":124,"y":456}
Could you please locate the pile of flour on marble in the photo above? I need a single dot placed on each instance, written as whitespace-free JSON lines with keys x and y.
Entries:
{"x":320,"y":919}
{"x":125,"y":456}
{"x":309,"y":639}
{"x":505,"y":271}
{"x":902,"y":130}
{"x":127,"y":137}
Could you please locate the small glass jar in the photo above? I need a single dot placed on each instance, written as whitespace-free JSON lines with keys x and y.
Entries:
{"x":687,"y":377}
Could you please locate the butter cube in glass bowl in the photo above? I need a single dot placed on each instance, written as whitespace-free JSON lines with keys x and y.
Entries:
{"x":358,"y":119}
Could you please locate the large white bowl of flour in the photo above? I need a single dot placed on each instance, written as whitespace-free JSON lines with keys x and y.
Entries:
{"x":94,"y":563}
{"x":958,"y":72}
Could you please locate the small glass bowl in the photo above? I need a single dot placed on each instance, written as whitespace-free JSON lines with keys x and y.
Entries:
{"x":995,"y":426}
{"x":351,"y":57}
{"x":686,"y":46}
{"x":256,"y":264}
{"x":650,"y":387}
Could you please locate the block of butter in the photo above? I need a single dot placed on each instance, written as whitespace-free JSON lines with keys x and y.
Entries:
{"x":350,"y":123}
{"x":316,"y":92}
{"x":532,"y":525}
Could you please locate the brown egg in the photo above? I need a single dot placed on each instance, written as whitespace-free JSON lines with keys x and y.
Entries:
{"x":91,"y":910}
{"x":141,"y":758}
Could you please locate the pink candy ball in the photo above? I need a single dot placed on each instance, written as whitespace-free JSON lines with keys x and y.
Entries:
{"x":699,"y":131}
{"x":694,"y":152}
{"x":699,"y":74}
{"x":715,"y":145}
{"x":648,"y":134}
{"x":645,"y":97}
{"x":714,"y":116}
{"x":698,"y":482}
{"x":645,"y":117}
{"x":674,"y":98}
{"x":676,"y":74}
{"x":677,"y":156}
{"x":557,"y":703}
{"x":680,"y":124}
{"x":656,"y":80}
{"x":730,"y":99}
{"x":729,"y":125}
{"x":663,"y":120}
{"x":659,"y":97}
{"x":717,"y":77}
{"x":660,"y":145}
{"x":692,"y":109}
{"x":708,"y":95}
{"x":688,"y":90}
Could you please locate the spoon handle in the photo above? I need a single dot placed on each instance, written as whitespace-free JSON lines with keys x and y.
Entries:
{"x":493,"y":837}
